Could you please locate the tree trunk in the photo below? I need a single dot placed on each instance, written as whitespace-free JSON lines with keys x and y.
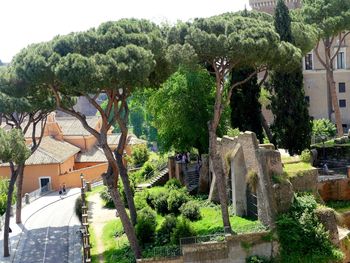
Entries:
{"x":334,"y":97}
{"x":111,"y":180}
{"x":127,"y":189}
{"x":19,"y":194}
{"x":14,"y":174}
{"x":220,"y":177}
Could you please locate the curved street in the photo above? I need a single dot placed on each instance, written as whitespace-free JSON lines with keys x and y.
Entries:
{"x":49,"y":233}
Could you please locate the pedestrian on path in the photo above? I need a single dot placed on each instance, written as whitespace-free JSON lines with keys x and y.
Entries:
{"x":60,"y":192}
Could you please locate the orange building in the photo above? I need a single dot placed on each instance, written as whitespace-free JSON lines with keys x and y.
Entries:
{"x":66,"y":151}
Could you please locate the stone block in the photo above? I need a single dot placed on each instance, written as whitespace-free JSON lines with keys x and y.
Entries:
{"x":328,"y":219}
{"x":204,"y":182}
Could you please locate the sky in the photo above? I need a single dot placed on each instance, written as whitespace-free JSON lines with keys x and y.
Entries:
{"x":23,"y":22}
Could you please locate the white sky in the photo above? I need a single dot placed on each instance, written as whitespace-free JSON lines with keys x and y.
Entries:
{"x":23,"y":22}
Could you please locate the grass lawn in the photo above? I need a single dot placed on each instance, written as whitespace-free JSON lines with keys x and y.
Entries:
{"x":339,"y":206}
{"x":293,"y":168}
{"x":94,"y":190}
{"x":93,"y":242}
{"x":288,"y":159}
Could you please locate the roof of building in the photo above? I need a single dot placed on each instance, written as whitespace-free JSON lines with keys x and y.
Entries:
{"x":51,"y":151}
{"x":113,"y":139}
{"x":72,"y":126}
{"x":94,"y":155}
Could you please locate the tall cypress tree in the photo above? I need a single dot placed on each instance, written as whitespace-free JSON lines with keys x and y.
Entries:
{"x":292,"y":126}
{"x":245,"y":105}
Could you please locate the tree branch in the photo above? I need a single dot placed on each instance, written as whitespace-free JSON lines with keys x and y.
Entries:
{"x":341,"y":39}
{"x":319,"y":57}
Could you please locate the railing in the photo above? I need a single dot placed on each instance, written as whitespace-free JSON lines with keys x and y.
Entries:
{"x":219,"y":237}
{"x":163,"y":252}
{"x":28,"y":198}
{"x":156,"y":170}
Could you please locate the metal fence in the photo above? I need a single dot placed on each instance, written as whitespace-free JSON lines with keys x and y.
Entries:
{"x":162,"y":252}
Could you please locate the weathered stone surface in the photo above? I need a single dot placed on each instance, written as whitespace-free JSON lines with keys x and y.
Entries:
{"x":268,"y":146}
{"x":171,"y":167}
{"x":306,"y":181}
{"x":284,"y":195}
{"x":238,"y":181}
{"x":328,"y":219}
{"x":213,"y":193}
{"x":204,"y":182}
{"x":314,"y":155}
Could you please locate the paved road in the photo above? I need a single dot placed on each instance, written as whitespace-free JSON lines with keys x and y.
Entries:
{"x":48,"y":231}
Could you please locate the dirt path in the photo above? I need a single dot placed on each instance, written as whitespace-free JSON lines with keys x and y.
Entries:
{"x":98,"y":218}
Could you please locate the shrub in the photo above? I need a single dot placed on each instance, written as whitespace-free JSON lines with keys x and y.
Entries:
{"x":106,"y":197}
{"x":182,"y":229}
{"x":306,"y":156}
{"x":190,"y":210}
{"x":302,"y":236}
{"x":4,"y":184}
{"x":160,"y":203}
{"x":166,"y":229}
{"x":173,"y":184}
{"x":146,"y":225}
{"x":256,"y":259}
{"x":147,"y":170}
{"x":252,"y":180}
{"x":140,"y":200}
{"x":176,"y":199}
{"x":323,"y":128}
{"x":78,"y":208}
{"x":139,"y":155}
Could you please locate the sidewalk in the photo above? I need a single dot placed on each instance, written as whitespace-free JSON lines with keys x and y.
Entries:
{"x":19,"y":231}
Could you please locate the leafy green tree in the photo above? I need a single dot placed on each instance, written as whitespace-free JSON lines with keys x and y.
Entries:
{"x":14,"y":151}
{"x":225,"y":42}
{"x":323,"y":128}
{"x":115,"y":59}
{"x":181,"y":110}
{"x":245,"y":106}
{"x":332,"y":20}
{"x":21,"y":110}
{"x":292,"y":125}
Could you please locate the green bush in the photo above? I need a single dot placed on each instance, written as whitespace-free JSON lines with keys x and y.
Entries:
{"x":301,"y":235}
{"x":190,"y":210}
{"x":78,"y":208}
{"x":182,"y":229}
{"x":147,"y":170}
{"x":139,"y":155}
{"x":256,"y":259}
{"x":166,"y":229}
{"x":140,"y":200}
{"x":146,"y":225}
{"x":323,"y":128}
{"x":173,"y":184}
{"x":306,"y":156}
{"x":176,"y":199}
{"x":160,"y":203}
{"x":4,"y":184}
{"x":106,"y":197}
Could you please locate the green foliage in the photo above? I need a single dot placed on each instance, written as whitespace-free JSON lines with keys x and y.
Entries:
{"x":302,"y":237}
{"x":181,"y":110}
{"x":107,"y":198}
{"x":122,"y":192}
{"x":4,"y":185}
{"x":176,"y":199}
{"x":140,"y":199}
{"x":252,"y":180}
{"x":146,"y":225}
{"x":191,"y":211}
{"x":182,"y":229}
{"x":160,"y":203}
{"x":292,"y":126}
{"x":323,"y":128}
{"x":257,"y":259}
{"x":233,"y":132}
{"x":245,"y":105}
{"x":139,"y":155}
{"x":306,"y":156}
{"x":173,"y":184}
{"x":12,"y":146}
{"x":166,"y":229}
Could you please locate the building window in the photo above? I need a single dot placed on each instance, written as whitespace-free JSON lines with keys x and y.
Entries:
{"x":341,"y":87}
{"x":341,"y":60}
{"x":308,"y":62}
{"x":342,"y":103}
{"x":307,"y":99}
